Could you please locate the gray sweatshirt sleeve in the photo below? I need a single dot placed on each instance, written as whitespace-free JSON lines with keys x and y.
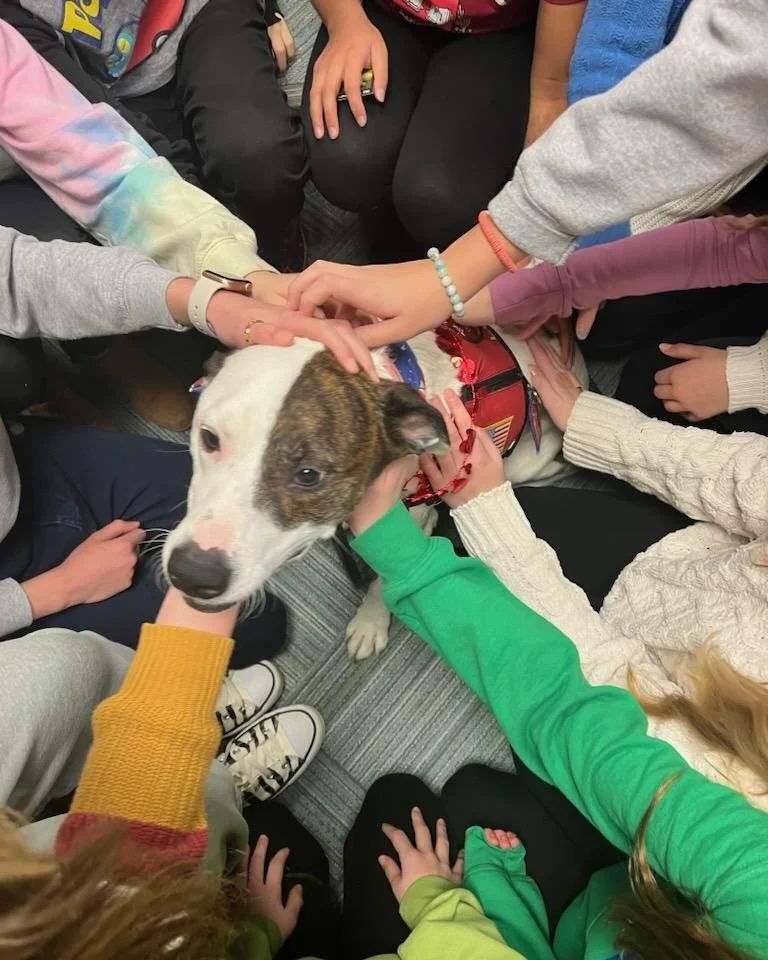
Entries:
{"x":72,"y":290}
{"x":687,"y":118}
{"x":15,"y":611}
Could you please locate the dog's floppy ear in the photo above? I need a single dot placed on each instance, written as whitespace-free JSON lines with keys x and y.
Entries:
{"x":412,"y":424}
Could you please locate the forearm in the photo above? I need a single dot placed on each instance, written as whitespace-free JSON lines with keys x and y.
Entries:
{"x":495,"y":530}
{"x":448,"y":921}
{"x":334,"y":12}
{"x":699,"y":253}
{"x":721,"y":479}
{"x":508,"y":896}
{"x":109,"y":291}
{"x":136,"y":772}
{"x":557,"y":27}
{"x":638,"y":145}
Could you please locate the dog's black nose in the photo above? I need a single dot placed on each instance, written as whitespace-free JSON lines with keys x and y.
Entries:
{"x":198,"y":573}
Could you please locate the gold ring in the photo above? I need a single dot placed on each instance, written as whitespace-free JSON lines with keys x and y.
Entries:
{"x":247,"y":331}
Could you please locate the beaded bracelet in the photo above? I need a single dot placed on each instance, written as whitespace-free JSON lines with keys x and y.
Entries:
{"x":491,"y":235}
{"x":457,"y":304}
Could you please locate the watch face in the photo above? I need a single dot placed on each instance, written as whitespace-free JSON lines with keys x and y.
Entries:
{"x":229,"y":281}
{"x":222,"y":277}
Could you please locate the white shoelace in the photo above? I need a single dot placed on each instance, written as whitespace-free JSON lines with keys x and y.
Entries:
{"x":232,"y":706}
{"x":264,"y":760}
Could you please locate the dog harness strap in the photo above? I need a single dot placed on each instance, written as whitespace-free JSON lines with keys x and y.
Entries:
{"x":496,"y":391}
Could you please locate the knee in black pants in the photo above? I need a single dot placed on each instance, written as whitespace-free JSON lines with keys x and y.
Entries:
{"x":263,"y":174}
{"x":433,"y":207}
{"x":372,"y":923}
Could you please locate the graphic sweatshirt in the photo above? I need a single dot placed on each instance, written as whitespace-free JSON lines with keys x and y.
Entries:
{"x":590,"y":742}
{"x":130,"y":45}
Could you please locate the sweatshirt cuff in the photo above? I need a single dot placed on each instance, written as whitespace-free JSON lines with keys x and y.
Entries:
{"x":595,"y":429}
{"x":231,"y":255}
{"x":523,"y":224}
{"x":251,"y":934}
{"x":14,"y":604}
{"x":145,"y":297}
{"x":493,"y":521}
{"x":480,"y":856}
{"x":420,"y":897}
{"x":394,"y":546}
{"x":154,"y":740}
{"x":746,"y":371}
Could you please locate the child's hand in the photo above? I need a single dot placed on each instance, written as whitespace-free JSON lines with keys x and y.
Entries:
{"x":265,"y":889}
{"x":282,"y":43}
{"x":421,"y":860}
{"x":487,"y":467}
{"x":382,"y":494}
{"x":697,"y":389}
{"x":503,"y":839}
{"x":557,"y":387}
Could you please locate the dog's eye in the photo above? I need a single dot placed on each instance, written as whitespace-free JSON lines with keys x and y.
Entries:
{"x":209,"y":440}
{"x":307,"y":478}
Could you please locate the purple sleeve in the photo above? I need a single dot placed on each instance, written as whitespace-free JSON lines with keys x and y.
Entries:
{"x":687,"y":256}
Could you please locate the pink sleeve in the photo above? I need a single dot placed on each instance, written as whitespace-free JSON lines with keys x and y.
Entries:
{"x":687,"y":256}
{"x":76,"y":151}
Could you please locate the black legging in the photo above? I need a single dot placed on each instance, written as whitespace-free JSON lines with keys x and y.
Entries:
{"x":563,"y":849}
{"x":446,"y":138}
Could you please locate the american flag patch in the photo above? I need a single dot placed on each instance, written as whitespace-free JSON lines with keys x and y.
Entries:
{"x":499,"y":433}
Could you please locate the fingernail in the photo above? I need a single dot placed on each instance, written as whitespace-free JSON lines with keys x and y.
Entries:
{"x":333,"y":132}
{"x":318,"y":133}
{"x":581,"y":334}
{"x":379,"y":94}
{"x":361,"y":121}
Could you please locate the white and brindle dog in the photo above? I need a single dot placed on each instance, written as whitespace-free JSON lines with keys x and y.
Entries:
{"x":284,"y":444}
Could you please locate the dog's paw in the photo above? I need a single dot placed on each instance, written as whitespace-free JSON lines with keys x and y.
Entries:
{"x":368,"y":631}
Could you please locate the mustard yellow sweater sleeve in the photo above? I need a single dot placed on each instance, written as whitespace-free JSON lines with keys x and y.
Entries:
{"x":153,"y":743}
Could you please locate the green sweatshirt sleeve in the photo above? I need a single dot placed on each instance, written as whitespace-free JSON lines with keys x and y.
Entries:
{"x":447,"y":921}
{"x":257,"y":939}
{"x":508,"y":896}
{"x":590,"y":742}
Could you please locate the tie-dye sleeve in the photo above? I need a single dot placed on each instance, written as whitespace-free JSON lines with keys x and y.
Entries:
{"x":97,"y":169}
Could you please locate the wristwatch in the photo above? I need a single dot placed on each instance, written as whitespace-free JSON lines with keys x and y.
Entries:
{"x":206,"y":287}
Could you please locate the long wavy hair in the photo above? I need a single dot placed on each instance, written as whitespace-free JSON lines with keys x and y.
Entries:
{"x":93,"y":905}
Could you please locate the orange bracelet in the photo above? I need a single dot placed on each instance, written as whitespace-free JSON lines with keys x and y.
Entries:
{"x":491,"y":235}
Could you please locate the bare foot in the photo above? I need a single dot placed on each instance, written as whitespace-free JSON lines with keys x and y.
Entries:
{"x":503,"y":839}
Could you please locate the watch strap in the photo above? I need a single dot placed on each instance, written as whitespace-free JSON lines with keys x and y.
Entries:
{"x":197,"y":309}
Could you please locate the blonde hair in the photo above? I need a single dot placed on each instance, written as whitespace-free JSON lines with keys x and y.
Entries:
{"x":729,"y":712}
{"x":92,"y":904}
{"x":725,"y":709}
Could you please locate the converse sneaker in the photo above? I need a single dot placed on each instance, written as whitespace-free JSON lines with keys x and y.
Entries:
{"x":247,"y":694}
{"x":273,"y":751}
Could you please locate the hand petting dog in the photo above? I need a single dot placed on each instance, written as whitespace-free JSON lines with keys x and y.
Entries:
{"x":487,"y":467}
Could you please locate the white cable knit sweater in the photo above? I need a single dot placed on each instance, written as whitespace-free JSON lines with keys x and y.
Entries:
{"x":706,"y":583}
